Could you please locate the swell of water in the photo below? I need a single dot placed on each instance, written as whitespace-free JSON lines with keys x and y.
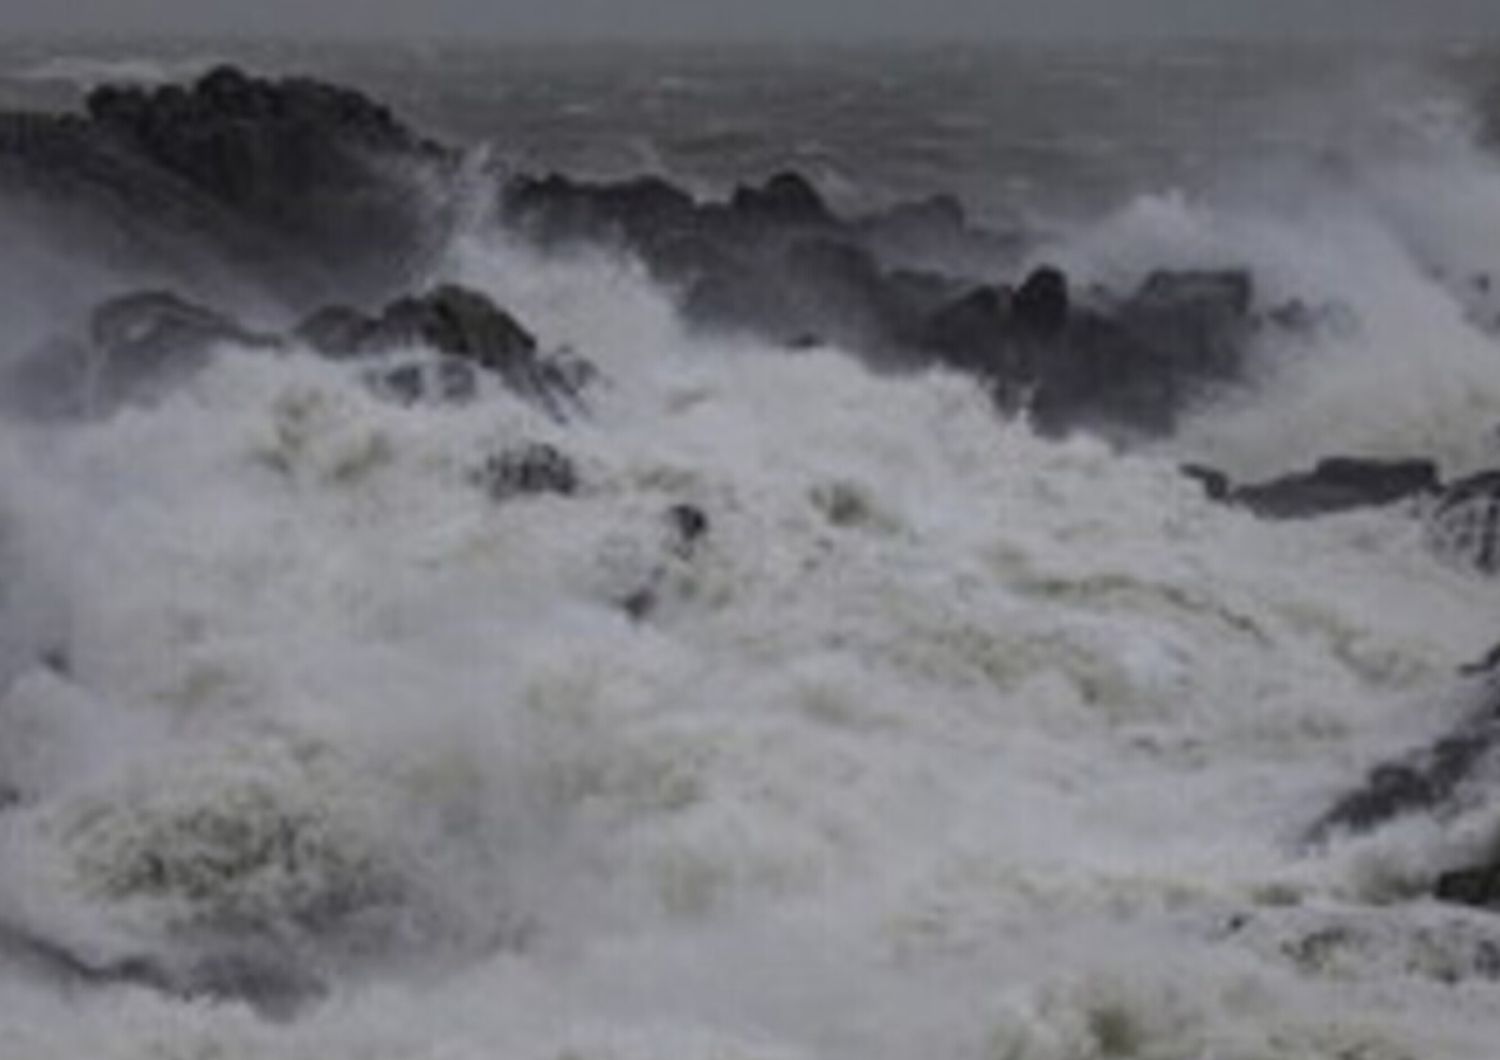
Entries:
{"x":943,"y":740}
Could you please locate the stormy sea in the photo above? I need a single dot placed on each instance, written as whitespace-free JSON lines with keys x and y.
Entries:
{"x":746,"y":553}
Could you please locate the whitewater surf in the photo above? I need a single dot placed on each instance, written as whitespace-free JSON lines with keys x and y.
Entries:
{"x":757,"y":611}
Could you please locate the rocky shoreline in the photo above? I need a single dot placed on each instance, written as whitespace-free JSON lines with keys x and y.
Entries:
{"x":321,"y":203}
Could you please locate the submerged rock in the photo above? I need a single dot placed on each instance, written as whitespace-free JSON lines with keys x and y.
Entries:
{"x":1476,"y":886}
{"x":1335,"y":484}
{"x":1464,"y":526}
{"x":276,"y":985}
{"x":686,"y":529}
{"x":688,"y":525}
{"x":135,"y":346}
{"x":459,"y":322}
{"x":1422,"y":781}
{"x":528,"y":471}
{"x":470,"y":333}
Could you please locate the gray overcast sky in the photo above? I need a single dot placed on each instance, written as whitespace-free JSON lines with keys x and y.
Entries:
{"x":842,"y":19}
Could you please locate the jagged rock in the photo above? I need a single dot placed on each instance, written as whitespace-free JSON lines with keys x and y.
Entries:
{"x":306,"y":188}
{"x":461,"y":323}
{"x":776,"y":260}
{"x":135,"y":346}
{"x":786,"y":199}
{"x":976,"y":333}
{"x":1139,"y":365}
{"x":299,"y":157}
{"x":446,"y":381}
{"x":1489,"y":664}
{"x":1040,"y":305}
{"x":689,"y":526}
{"x":449,"y":319}
{"x":686,"y":528}
{"x":155,"y":326}
{"x":469,"y":331}
{"x":1464,"y":526}
{"x":1336,"y":484}
{"x":555,"y":209}
{"x":1216,"y":485}
{"x":1476,"y":886}
{"x":1127,"y":368}
{"x":338,"y":332}
{"x":1425,"y":780}
{"x":296,"y":186}
{"x":528,"y":471}
{"x":275,"y":984}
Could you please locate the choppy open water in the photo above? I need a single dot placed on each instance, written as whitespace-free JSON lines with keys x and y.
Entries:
{"x":948,"y":742}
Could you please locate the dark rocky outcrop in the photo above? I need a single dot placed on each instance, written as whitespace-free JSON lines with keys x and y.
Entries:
{"x":293,"y":187}
{"x":787,"y":199}
{"x":1477,"y":885}
{"x":469,"y":331}
{"x":778,"y":261}
{"x":1335,"y":484}
{"x":1465,"y":523}
{"x":1425,"y":780}
{"x":134,"y":347}
{"x":276,"y":985}
{"x":1489,"y":664}
{"x":1040,"y":306}
{"x":528,"y":471}
{"x":317,"y":195}
{"x":688,"y":525}
{"x":1126,"y":367}
{"x":686,"y":529}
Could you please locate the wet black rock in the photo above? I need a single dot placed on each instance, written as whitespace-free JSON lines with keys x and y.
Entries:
{"x":1216,"y":484}
{"x":773,"y":258}
{"x":296,"y":187}
{"x":1464,"y":525}
{"x":1476,"y":886}
{"x":688,"y":526}
{"x":135,"y":347}
{"x":530,"y":470}
{"x":1335,"y":484}
{"x":461,"y":323}
{"x":788,"y":199}
{"x":277,"y":985}
{"x":1426,"y":780}
{"x":1489,"y":664}
{"x":319,"y":195}
{"x":338,"y":332}
{"x":1040,"y":305}
{"x":776,"y":260}
{"x":469,"y":331}
{"x":638,"y":213}
{"x":445,"y":381}
{"x":1133,"y":367}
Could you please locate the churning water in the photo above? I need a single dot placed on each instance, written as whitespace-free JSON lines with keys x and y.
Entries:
{"x":938,"y":740}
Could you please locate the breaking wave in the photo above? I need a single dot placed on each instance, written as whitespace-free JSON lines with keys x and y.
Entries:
{"x":777,"y":707}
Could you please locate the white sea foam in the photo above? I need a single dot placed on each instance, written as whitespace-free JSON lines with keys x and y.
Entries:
{"x":89,"y":71}
{"x":945,"y":741}
{"x":1389,"y":238}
